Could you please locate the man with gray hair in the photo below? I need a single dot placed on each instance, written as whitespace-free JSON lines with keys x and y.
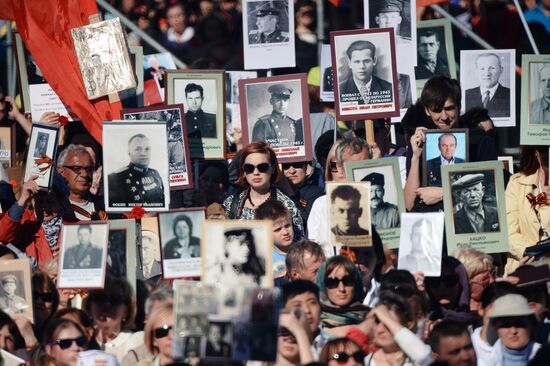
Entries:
{"x":539,"y":109}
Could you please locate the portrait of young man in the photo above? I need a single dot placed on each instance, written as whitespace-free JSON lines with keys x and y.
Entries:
{"x":85,"y":254}
{"x":349,"y":214}
{"x":431,"y":56}
{"x":199,"y":123}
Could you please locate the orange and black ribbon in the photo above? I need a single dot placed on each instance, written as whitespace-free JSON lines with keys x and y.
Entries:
{"x":540,"y":199}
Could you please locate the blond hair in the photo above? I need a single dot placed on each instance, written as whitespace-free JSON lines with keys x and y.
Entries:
{"x":149,"y":330}
{"x":474,"y":261}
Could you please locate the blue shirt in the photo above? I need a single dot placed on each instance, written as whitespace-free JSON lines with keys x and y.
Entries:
{"x":536,"y":15}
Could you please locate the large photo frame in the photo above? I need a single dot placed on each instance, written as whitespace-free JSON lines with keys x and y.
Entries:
{"x":41,"y":154}
{"x":16,"y":288}
{"x":121,"y":250}
{"x":179,"y":159}
{"x":154,"y":76}
{"x":233,"y":125}
{"x":276,"y":110}
{"x":387,"y":202}
{"x":469,"y":188}
{"x":7,"y":144}
{"x":327,"y":81}
{"x":202,"y":93}
{"x":442,"y":148}
{"x":534,"y":95}
{"x":364,"y":57}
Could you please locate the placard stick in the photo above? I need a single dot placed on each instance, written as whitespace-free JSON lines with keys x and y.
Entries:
{"x":369,"y":131}
{"x":526,"y":27}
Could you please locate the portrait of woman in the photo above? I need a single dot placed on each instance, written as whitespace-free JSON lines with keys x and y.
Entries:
{"x":241,"y":259}
{"x":184,"y":245}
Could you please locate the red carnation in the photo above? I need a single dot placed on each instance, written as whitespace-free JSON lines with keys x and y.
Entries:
{"x":63,"y":120}
{"x":136,"y":213}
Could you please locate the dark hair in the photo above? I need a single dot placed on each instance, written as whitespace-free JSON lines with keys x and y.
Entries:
{"x":258,"y":147}
{"x":182,"y":218}
{"x":84,"y":227}
{"x":254,"y":266}
{"x":82,"y":316}
{"x":55,"y":325}
{"x":337,"y":261}
{"x":345,"y":192}
{"x":221,"y":165}
{"x":359,"y":46}
{"x":398,"y":279}
{"x":192,"y":87}
{"x":336,"y":345}
{"x":18,"y":341}
{"x":427,"y":33}
{"x":137,"y":136}
{"x":271,"y":210}
{"x":40,"y":282}
{"x":446,"y":328}
{"x":400,"y":306}
{"x":437,"y":90}
{"x":528,"y":163}
{"x":296,"y":254}
{"x":495,"y":290}
{"x":298,"y":287}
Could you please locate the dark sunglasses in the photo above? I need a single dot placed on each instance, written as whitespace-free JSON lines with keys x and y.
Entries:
{"x":297,"y":165}
{"x":333,"y":166}
{"x":284,"y":332}
{"x":162,"y":331}
{"x":262,"y":168}
{"x":68,"y":342}
{"x":102,"y":299}
{"x":333,"y":282}
{"x":447,"y":281}
{"x":44,"y":296}
{"x":343,"y":357}
{"x":517,"y":322}
{"x":77,"y":169}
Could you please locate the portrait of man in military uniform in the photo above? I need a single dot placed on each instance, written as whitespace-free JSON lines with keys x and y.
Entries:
{"x":269,"y":27}
{"x":199,"y":123}
{"x":10,"y":302}
{"x":391,"y":14}
{"x":384,"y":215}
{"x":349,"y":214}
{"x":84,"y":254}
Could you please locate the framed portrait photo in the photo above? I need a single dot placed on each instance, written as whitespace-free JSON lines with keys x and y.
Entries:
{"x":421,"y":242}
{"x":365,"y":74}
{"x":443,"y":148}
{"x":83,"y":259}
{"x":488,"y":80}
{"x":16,"y":290}
{"x":41,"y":154}
{"x":7,"y":144}
{"x":203,"y":96}
{"x":154,"y":77}
{"x":121,"y":250}
{"x":327,"y":81}
{"x":137,"y":171}
{"x":180,"y":241}
{"x":507,"y":163}
{"x":406,"y":88}
{"x":535,"y":94}
{"x":275,"y":110}
{"x":268,"y":34}
{"x":233,"y":106}
{"x":179,"y":159}
{"x":386,"y":200}
{"x":133,"y":97}
{"x":149,"y":257}
{"x":237,"y":252}
{"x":473,"y":198}
{"x":349,"y":214}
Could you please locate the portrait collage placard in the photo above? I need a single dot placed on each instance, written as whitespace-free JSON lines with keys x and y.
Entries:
{"x":233,"y":106}
{"x":121,"y":250}
{"x":136,"y":173}
{"x":488,"y":80}
{"x":149,"y":260}
{"x":421,"y":244}
{"x":349,"y":214}
{"x":179,"y":159}
{"x":16,"y":288}
{"x":202,"y":93}
{"x":535,"y":95}
{"x":468,"y":190}
{"x":42,"y":150}
{"x":7,"y":144}
{"x":154,"y":77}
{"x":386,"y":198}
{"x":364,"y":58}
{"x":443,"y":148}
{"x":327,"y":81}
{"x":276,"y":110}
{"x":268,"y":34}
{"x":237,"y":252}
{"x":83,"y":258}
{"x":180,"y":241}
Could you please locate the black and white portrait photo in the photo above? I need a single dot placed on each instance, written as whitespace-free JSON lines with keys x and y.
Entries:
{"x":83,"y":254}
{"x":327,"y":82}
{"x":349,"y":213}
{"x":219,"y":339}
{"x":268,"y":22}
{"x":443,"y":148}
{"x":232,"y":106}
{"x":243,"y":257}
{"x":122,"y":250}
{"x":474,"y":202}
{"x":431,"y":53}
{"x":539,"y":93}
{"x":15,"y":287}
{"x":42,"y":151}
{"x":137,"y":171}
{"x":200,"y":104}
{"x":116,"y":253}
{"x":421,"y":243}
{"x":180,"y":240}
{"x":178,"y":147}
{"x":41,"y":146}
{"x":383,"y":198}
{"x":150,"y":265}
{"x":366,"y":74}
{"x":394,"y":14}
{"x":488,"y":80}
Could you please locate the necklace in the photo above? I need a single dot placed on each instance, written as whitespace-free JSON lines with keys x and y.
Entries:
{"x":249,"y":197}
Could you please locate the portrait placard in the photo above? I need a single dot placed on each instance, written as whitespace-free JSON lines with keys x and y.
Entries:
{"x":149,"y":260}
{"x":364,"y":63}
{"x":83,"y":258}
{"x":136,"y":173}
{"x":7,"y":144}
{"x":406,"y":88}
{"x":180,"y":241}
{"x":421,"y":244}
{"x":121,"y":250}
{"x":233,"y":106}
{"x":203,"y":96}
{"x":488,"y":80}
{"x":268,"y":34}
{"x":16,"y":291}
{"x":41,"y":154}
{"x":443,"y":148}
{"x":237,"y":252}
{"x":507,"y":163}
{"x":276,"y":110}
{"x":133,"y":98}
{"x":435,"y":50}
{"x":179,"y":159}
{"x":386,"y":200}
{"x":327,"y":81}
{"x":474,"y":194}
{"x":154,"y":77}
{"x":535,"y":95}
{"x":349,"y":214}
{"x":103,"y":57}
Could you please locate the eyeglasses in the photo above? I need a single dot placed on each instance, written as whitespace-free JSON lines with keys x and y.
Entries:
{"x":509,"y":322}
{"x":44,"y":296}
{"x":81,"y":342}
{"x":297,"y":165}
{"x":333,"y":282}
{"x":262,"y":168}
{"x":343,"y":357}
{"x":284,"y":332}
{"x":333,"y":166}
{"x":77,"y":169}
{"x":162,"y":331}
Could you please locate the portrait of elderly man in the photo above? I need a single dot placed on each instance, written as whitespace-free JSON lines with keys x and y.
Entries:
{"x":490,"y":94}
{"x":345,"y":211}
{"x":430,"y":61}
{"x":10,"y":303}
{"x":447,"y":146}
{"x":362,"y":85}
{"x":84,"y":254}
{"x":389,"y":15}
{"x":199,"y":123}
{"x":277,"y":128}
{"x":384,"y":215}
{"x":474,"y":216}
{"x":150,"y":246}
{"x":268,"y":27}
{"x":539,"y":109}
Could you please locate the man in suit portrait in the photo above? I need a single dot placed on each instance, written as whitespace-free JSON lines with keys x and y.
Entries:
{"x":345,"y":211}
{"x":362,"y":85}
{"x":474,"y":216}
{"x":150,"y":246}
{"x":268,"y":28}
{"x":447,"y":146}
{"x":199,"y":123}
{"x":490,"y":94}
{"x":539,"y":109}
{"x":83,"y":255}
{"x":430,"y":62}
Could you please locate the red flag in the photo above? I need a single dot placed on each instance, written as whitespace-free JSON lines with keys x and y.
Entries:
{"x":45,"y":28}
{"x":423,"y":3}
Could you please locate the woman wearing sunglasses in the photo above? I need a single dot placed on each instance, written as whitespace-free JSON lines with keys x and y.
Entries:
{"x":342,"y":351}
{"x":158,"y":336}
{"x":63,"y":340}
{"x":341,"y":295}
{"x":258,"y":173}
